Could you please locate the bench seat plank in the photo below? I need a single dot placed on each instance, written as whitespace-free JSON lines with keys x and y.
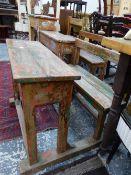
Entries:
{"x":94,"y":94}
{"x":98,"y":90}
{"x":89,"y":57}
{"x":102,"y":86}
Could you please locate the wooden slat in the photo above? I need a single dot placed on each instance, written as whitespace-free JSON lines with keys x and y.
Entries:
{"x":43,"y":17}
{"x":96,"y":95}
{"x":33,"y":62}
{"x":91,"y":36}
{"x":51,"y":157}
{"x":101,"y":85}
{"x":95,"y":89}
{"x":119,"y":44}
{"x":76,"y":21}
{"x":91,"y":57}
{"x":59,"y":37}
{"x":104,"y":53}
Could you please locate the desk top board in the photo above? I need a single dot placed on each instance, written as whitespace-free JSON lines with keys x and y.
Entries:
{"x":119,"y":44}
{"x":59,"y":37}
{"x":33,"y":62}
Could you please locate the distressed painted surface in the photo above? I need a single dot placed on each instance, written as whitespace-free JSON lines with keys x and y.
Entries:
{"x":59,"y":37}
{"x":91,"y":57}
{"x":33,"y":62}
{"x":104,"y":53}
{"x":37,"y":94}
{"x":58,"y":43}
{"x":81,"y":125}
{"x":53,"y":72}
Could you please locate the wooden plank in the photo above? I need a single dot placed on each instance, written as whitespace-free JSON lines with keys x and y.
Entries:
{"x":119,"y":44}
{"x":33,"y":62}
{"x":43,"y":17}
{"x":76,"y":21}
{"x":94,"y":81}
{"x":51,"y":157}
{"x":54,"y":46}
{"x":87,"y":105}
{"x":89,"y":57}
{"x":59,"y":37}
{"x":97,"y":50}
{"x":91,"y":36}
{"x":94,"y":94}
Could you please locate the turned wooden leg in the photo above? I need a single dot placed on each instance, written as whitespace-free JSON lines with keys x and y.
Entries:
{"x":121,"y":86}
{"x":99,"y":124}
{"x":62,"y":144}
{"x":114,"y":148}
{"x":30,"y":128}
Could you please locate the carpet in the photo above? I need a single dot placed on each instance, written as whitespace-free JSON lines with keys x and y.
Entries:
{"x":89,"y":165}
{"x":46,"y":116}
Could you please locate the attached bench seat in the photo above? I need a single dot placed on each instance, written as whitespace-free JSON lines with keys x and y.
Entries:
{"x":98,"y":94}
{"x":94,"y":62}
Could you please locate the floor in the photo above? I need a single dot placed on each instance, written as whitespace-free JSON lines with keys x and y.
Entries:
{"x":82,"y":124}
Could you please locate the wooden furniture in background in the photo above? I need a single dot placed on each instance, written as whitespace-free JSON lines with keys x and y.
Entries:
{"x":43,"y":79}
{"x":99,"y":95}
{"x":57,"y":42}
{"x":7,"y":19}
{"x":35,"y":21}
{"x":93,"y":61}
{"x":4,"y":33}
{"x":122,"y":86}
{"x":120,"y":26}
{"x":74,"y":23}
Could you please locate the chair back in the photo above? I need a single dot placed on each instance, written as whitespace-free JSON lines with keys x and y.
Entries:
{"x":120,"y":26}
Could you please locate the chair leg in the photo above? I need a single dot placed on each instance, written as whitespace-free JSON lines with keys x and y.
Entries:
{"x":114,"y":149}
{"x":93,"y":69}
{"x":102,"y":71}
{"x":99,"y":124}
{"x":107,"y":69}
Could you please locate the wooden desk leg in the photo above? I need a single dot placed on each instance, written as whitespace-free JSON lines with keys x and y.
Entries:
{"x":30,"y":139}
{"x":62,"y":144}
{"x":121,"y":86}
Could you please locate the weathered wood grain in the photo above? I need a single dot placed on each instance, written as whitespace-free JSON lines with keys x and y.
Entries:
{"x":59,"y":37}
{"x":33,"y":62}
{"x":92,"y":36}
{"x":98,"y":92}
{"x":58,"y":43}
{"x":91,"y":57}
{"x":74,"y":22}
{"x":41,"y":78}
{"x":35,"y":22}
{"x":119,"y":44}
{"x":104,"y":53}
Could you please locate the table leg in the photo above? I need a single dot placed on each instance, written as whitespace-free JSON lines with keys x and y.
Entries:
{"x":30,"y":138}
{"x":62,"y":144}
{"x":121,"y":86}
